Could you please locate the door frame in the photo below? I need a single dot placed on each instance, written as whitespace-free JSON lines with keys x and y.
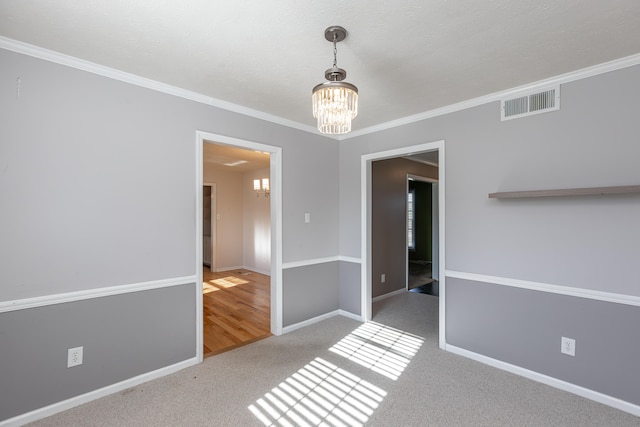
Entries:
{"x":418,"y":178}
{"x":214,"y":212}
{"x":275,"y":178}
{"x":365,"y":223}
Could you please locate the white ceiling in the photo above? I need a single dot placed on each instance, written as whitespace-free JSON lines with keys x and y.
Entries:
{"x":406,"y":57}
{"x":233,"y":159}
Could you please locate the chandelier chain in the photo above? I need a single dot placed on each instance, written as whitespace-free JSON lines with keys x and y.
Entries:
{"x":335,"y":50}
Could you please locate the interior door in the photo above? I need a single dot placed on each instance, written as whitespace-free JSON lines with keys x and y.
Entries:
{"x":209,"y":226}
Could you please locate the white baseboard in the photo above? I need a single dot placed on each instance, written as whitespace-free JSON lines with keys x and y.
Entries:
{"x":320,"y":318}
{"x":96,"y":394}
{"x":257,"y":270}
{"x":389,"y":295}
{"x":223,"y":269}
{"x":350,"y":315}
{"x":311,"y":321}
{"x":350,"y":259}
{"x":243,"y":267}
{"x":614,"y":402}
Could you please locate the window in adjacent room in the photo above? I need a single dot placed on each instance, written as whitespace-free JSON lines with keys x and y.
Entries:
{"x":411,"y":241}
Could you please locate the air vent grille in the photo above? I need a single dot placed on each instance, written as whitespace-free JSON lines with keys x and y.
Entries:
{"x":532,"y":103}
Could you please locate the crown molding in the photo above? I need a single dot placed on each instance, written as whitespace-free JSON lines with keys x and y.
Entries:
{"x":595,"y":70}
{"x":80,"y":64}
{"x":112,"y":73}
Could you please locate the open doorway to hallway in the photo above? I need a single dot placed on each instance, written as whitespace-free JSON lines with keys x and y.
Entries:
{"x":236,"y":247}
{"x":384,"y":224}
{"x":401,"y":223}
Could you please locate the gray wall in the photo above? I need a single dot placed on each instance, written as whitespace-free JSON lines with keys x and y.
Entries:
{"x":310,"y":184}
{"x":316,"y":291}
{"x":350,"y":287}
{"x":97,"y":189}
{"x":87,"y":147}
{"x":590,"y":243}
{"x":122,"y":336}
{"x":92,"y":180}
{"x":528,"y":326}
{"x":389,"y":221}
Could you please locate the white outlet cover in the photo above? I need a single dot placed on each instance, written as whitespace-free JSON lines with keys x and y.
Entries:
{"x":74,"y":357}
{"x":568,"y":346}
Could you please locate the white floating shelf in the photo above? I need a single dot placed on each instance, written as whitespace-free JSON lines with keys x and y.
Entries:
{"x":564,"y":192}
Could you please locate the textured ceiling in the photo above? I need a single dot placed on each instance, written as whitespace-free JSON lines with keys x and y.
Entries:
{"x":406,"y":57}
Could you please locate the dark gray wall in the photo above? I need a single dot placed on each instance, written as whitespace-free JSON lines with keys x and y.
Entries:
{"x":589,"y":243}
{"x":525,"y":327}
{"x":123,"y":336}
{"x":311,"y":291}
{"x":389,"y":221}
{"x":350,"y":288}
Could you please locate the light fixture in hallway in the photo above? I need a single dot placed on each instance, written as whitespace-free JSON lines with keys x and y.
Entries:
{"x":261,"y":186}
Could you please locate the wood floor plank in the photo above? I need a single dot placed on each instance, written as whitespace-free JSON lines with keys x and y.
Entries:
{"x":236,"y":309}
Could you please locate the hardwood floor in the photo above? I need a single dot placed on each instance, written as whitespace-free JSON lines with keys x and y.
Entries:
{"x":237,"y":309}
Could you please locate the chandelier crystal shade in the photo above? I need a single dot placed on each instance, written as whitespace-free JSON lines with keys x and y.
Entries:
{"x":335,"y":102}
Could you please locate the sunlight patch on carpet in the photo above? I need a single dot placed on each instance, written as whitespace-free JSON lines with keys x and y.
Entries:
{"x":319,"y":394}
{"x":382,"y":349}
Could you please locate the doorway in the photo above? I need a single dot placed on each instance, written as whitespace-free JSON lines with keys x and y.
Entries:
{"x":366,"y":222}
{"x":236,"y":282}
{"x":422,"y":231}
{"x":274,"y":172}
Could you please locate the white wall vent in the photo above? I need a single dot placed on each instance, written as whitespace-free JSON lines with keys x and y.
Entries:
{"x":531,"y":103}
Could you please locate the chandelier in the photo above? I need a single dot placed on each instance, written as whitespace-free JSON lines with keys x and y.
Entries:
{"x":335,"y":102}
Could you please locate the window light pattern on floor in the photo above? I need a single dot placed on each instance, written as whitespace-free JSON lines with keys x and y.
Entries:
{"x":222,"y":283}
{"x":380,"y":348}
{"x":319,"y":394}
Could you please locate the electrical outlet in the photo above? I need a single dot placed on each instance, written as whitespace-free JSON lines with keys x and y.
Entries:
{"x":74,"y":357}
{"x":383,"y":277}
{"x":568,"y":346}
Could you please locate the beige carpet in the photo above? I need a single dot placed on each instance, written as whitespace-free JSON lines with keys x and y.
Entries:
{"x":340,"y":372}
